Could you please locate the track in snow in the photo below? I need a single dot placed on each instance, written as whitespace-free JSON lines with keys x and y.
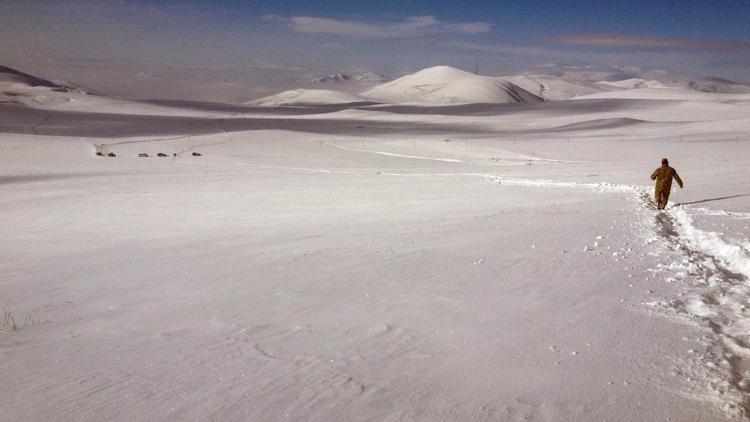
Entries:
{"x":715,"y":273}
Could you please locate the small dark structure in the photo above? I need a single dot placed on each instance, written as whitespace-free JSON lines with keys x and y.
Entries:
{"x":197,"y":154}
{"x":111,"y":154}
{"x":161,"y":154}
{"x":99,"y":154}
{"x":143,"y":155}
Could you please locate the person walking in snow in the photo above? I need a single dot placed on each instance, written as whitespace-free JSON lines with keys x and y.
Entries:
{"x":663,"y":176}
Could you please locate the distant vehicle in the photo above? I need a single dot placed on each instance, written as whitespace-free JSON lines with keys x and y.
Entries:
{"x":143,"y":155}
{"x":196,"y":154}
{"x":111,"y":154}
{"x":161,"y":154}
{"x":99,"y":154}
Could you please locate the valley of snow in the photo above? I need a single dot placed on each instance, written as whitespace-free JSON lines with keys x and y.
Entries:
{"x":387,"y":262}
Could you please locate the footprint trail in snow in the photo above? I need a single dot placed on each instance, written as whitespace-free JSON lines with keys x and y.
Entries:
{"x":713,"y":276}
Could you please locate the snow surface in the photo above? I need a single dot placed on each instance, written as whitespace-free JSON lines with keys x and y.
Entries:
{"x":386,"y":263}
{"x":633,"y":83}
{"x":554,"y":88}
{"x":308,"y":97}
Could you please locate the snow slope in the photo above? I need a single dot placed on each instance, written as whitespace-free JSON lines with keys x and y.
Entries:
{"x":553,"y":88}
{"x":19,"y":88}
{"x":447,"y":85}
{"x":22,"y":88}
{"x":13,"y":76}
{"x":656,"y":91}
{"x":308,"y":97}
{"x":633,"y":83}
{"x":485,"y":262}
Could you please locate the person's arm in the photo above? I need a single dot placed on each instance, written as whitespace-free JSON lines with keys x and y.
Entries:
{"x":677,"y":178}
{"x":654,"y":174}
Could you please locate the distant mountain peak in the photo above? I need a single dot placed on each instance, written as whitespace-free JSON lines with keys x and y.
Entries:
{"x":8,"y":74}
{"x":14,"y":76}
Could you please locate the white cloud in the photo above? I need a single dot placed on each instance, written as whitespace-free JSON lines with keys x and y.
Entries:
{"x":409,"y":27}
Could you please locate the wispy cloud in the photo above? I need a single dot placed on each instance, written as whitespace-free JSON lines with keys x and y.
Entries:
{"x":625,"y":41}
{"x":410,"y":27}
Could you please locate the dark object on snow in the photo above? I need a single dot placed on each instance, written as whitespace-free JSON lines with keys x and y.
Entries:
{"x":196,"y":154}
{"x":99,"y":154}
{"x":111,"y":154}
{"x":143,"y":155}
{"x":663,"y":176}
{"x":161,"y":154}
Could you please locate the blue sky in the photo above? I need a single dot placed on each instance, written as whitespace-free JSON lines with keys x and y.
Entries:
{"x":89,"y":41}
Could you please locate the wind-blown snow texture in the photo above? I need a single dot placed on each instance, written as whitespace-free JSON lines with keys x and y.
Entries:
{"x":477,"y":262}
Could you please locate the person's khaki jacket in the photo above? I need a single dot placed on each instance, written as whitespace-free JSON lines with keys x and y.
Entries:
{"x":663,"y":176}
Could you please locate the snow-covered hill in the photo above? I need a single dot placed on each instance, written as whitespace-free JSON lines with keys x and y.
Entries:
{"x":23,"y":88}
{"x":10,"y":76}
{"x":308,"y":97}
{"x":19,"y":88}
{"x":447,"y":85}
{"x":633,"y":83}
{"x":554,"y":88}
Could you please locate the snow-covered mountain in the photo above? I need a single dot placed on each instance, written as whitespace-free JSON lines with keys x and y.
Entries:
{"x":23,"y":88}
{"x":352,"y":77}
{"x":11,"y":78}
{"x":15,"y":79}
{"x":448,"y":85}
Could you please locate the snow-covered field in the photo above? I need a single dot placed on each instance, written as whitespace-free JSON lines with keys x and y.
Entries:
{"x":378,"y":263}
